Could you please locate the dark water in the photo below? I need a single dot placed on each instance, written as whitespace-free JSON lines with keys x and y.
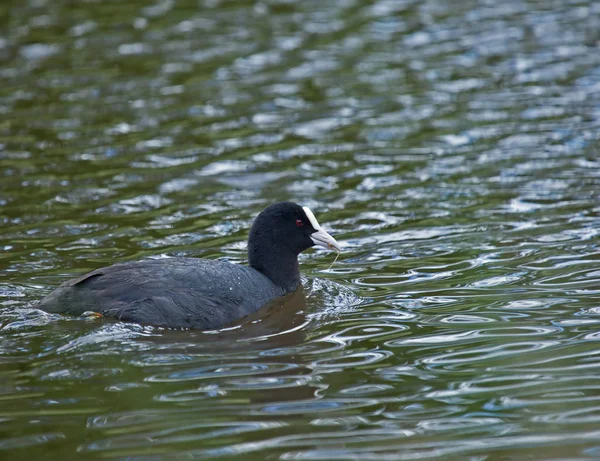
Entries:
{"x":452,"y":147}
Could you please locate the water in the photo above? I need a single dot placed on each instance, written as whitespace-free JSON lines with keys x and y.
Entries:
{"x":452,"y":149}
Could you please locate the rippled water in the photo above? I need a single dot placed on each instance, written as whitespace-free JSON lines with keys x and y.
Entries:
{"x":452,"y":149}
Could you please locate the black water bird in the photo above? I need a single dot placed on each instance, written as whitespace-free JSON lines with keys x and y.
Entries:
{"x":200,"y":293}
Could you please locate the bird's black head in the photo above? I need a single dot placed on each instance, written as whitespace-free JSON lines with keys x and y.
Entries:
{"x":278,"y":235}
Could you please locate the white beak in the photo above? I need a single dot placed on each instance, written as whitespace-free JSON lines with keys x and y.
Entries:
{"x":325,"y":240}
{"x":320,"y":237}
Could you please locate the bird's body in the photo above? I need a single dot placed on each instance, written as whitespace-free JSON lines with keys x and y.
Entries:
{"x":199,"y":293}
{"x":172,"y":292}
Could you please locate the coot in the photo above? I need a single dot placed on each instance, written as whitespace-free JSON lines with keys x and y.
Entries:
{"x":200,"y":293}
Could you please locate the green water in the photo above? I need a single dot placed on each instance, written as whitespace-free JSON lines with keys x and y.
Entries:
{"x":450,"y":147}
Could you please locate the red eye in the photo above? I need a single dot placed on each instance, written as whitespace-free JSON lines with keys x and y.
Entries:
{"x":299,"y":223}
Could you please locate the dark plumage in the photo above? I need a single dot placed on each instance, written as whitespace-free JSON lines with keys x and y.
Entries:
{"x":200,"y":293}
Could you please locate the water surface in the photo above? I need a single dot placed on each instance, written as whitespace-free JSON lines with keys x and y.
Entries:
{"x":452,"y":149}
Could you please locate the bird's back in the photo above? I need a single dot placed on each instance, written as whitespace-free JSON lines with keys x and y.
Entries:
{"x":171,"y":292}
